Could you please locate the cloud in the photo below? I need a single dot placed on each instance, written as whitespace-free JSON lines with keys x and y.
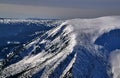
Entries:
{"x":115,"y":63}
{"x":26,"y":11}
{"x":100,"y":4}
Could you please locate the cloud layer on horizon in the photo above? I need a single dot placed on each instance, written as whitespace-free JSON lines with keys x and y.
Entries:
{"x":59,"y":8}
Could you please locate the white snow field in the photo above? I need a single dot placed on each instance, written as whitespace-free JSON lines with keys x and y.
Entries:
{"x":77,"y":48}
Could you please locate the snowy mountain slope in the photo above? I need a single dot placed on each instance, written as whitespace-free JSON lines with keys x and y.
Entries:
{"x":45,"y":52}
{"x":92,"y":60}
{"x":76,"y":48}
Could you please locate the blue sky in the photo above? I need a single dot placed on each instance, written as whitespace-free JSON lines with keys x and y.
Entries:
{"x":59,"y":8}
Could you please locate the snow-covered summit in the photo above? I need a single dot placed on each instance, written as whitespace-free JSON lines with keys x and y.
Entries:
{"x":77,"y":48}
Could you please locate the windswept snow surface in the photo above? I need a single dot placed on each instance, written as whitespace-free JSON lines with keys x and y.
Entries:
{"x":76,"y":48}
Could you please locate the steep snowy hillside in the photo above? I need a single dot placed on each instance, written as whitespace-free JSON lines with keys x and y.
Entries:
{"x":76,"y":48}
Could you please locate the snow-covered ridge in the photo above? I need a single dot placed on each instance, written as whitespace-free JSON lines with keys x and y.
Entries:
{"x":31,"y":21}
{"x":77,"y":48}
{"x":46,"y":52}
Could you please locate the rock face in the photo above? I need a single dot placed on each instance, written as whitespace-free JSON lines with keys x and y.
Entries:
{"x":77,"y":48}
